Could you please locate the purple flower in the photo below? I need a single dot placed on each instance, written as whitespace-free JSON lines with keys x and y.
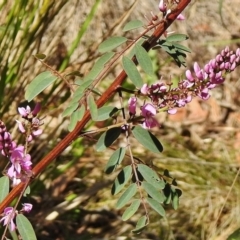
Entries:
{"x":24,"y":112}
{"x":148,"y":112}
{"x":144,"y":89}
{"x":9,"y":215}
{"x":27,"y":207}
{"x":162,"y":6}
{"x":132,"y":104}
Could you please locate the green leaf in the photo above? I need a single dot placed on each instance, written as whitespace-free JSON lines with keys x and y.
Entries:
{"x":40,"y":56}
{"x":132,"y":72}
{"x":126,"y":196}
{"x":70,"y":109}
{"x":92,"y":107}
{"x":175,"y":199}
{"x":98,"y":66}
{"x":168,"y":193}
{"x":27,"y":191}
{"x":140,"y":224}
{"x":25,"y":228}
{"x":153,"y":192}
{"x":235,"y":235}
{"x":111,"y":43}
{"x":144,"y":60}
{"x":181,"y":47}
{"x":121,"y":179}
{"x":129,"y":212}
{"x":176,"y":38}
{"x":156,"y":206}
{"x":108,"y":138}
{"x":147,"y":139}
{"x":75,"y":117}
{"x":4,"y":187}
{"x":115,"y":160}
{"x":151,"y":176}
{"x":106,"y":112}
{"x":38,"y":84}
{"x":133,"y":25}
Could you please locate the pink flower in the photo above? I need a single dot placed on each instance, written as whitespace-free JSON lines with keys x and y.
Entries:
{"x":9,"y":215}
{"x":132,"y":104}
{"x":162,"y":6}
{"x":27,"y":207}
{"x":24,"y":112}
{"x":148,"y":112}
{"x":180,"y":17}
{"x":144,"y":89}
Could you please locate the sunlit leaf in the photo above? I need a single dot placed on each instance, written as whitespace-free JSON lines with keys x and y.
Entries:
{"x":38,"y":84}
{"x":175,"y":199}
{"x":98,"y":66}
{"x":106,"y":112}
{"x":151,"y":176}
{"x":115,"y":160}
{"x":132,"y":72}
{"x":235,"y":235}
{"x":4,"y":187}
{"x":129,"y":212}
{"x":126,"y":196}
{"x":25,"y":228}
{"x":111,"y":43}
{"x":156,"y":206}
{"x":147,"y":139}
{"x":70,"y":109}
{"x":181,"y":47}
{"x":92,"y":107}
{"x":144,"y":60}
{"x":107,"y":138}
{"x":140,"y":225}
{"x":75,"y":117}
{"x":133,"y":25}
{"x":153,"y":192}
{"x":176,"y":38}
{"x":40,"y":56}
{"x":122,"y":178}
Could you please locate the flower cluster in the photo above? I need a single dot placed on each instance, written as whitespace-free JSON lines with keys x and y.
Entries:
{"x":10,"y":213}
{"x":20,"y":161}
{"x":165,"y":97}
{"x":20,"y":168}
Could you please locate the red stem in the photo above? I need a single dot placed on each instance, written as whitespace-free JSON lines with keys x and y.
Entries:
{"x":148,"y":44}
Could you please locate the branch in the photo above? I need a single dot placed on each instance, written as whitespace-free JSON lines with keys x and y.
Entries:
{"x":148,"y":44}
